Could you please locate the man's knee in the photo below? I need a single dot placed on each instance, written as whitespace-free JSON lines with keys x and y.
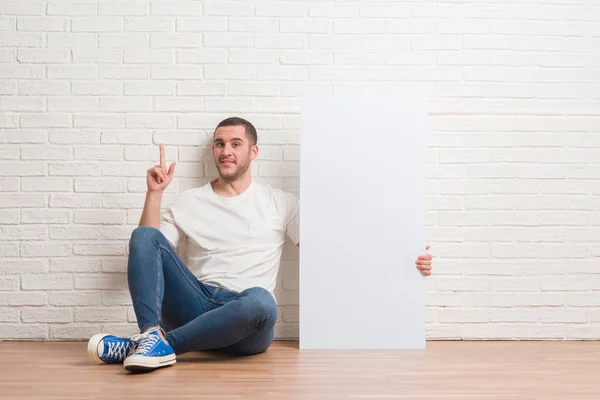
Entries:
{"x":144,"y":234}
{"x":261,"y":304}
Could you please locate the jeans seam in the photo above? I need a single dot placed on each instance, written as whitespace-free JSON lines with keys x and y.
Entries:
{"x":204,"y":296}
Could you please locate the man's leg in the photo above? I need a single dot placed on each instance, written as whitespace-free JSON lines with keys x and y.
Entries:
{"x":163,"y":290}
{"x":154,"y":272}
{"x":242,"y":323}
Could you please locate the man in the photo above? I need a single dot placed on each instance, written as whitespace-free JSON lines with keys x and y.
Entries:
{"x":223,"y":299}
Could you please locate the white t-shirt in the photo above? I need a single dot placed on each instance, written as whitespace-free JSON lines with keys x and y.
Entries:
{"x":234,"y":242}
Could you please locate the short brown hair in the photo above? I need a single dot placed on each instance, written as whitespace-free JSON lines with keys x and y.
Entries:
{"x":236,"y":121}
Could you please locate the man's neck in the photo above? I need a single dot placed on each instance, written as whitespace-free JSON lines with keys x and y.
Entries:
{"x":231,"y":188}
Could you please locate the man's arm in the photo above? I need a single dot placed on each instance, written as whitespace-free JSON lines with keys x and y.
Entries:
{"x":157,"y":178}
{"x":151,"y":213}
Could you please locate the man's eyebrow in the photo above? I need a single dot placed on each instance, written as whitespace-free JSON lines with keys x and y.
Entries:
{"x":235,"y":138}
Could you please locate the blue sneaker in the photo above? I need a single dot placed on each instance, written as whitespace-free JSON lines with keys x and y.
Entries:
{"x":152,"y":352}
{"x":104,"y":348}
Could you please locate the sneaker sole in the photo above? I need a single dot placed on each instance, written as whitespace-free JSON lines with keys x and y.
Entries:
{"x":141,"y":363}
{"x":92,"y":348}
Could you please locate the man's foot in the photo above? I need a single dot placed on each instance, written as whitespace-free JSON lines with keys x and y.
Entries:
{"x":105,"y":348}
{"x":152,"y":352}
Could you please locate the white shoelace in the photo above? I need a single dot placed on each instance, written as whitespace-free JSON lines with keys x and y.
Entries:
{"x":146,"y":342}
{"x":118,"y":350}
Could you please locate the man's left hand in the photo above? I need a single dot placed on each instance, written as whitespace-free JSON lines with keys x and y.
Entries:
{"x":424,"y":263}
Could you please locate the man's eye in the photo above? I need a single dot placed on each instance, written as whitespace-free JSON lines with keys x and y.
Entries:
{"x":236,"y":145}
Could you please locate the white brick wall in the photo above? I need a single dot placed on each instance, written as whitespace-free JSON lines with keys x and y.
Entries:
{"x":89,"y":88}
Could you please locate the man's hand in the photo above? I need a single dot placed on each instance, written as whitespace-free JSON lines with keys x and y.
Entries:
{"x":424,"y":263}
{"x":157,"y":177}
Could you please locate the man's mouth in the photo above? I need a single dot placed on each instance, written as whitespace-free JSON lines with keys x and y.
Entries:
{"x":227,"y":163}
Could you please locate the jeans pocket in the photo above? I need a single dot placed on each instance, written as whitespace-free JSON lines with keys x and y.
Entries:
{"x":223,"y":296}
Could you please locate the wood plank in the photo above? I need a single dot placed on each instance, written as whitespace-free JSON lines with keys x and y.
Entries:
{"x":445,"y":370}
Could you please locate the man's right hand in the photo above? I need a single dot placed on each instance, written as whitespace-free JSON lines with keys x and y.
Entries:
{"x":157,"y":177}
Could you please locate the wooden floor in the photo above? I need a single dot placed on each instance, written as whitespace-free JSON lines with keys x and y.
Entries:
{"x":446,"y":370}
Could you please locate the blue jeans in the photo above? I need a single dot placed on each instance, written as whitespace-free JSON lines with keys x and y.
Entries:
{"x":196,"y":316}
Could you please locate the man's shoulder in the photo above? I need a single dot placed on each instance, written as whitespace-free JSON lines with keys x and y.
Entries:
{"x":190,"y":195}
{"x":274,"y":192}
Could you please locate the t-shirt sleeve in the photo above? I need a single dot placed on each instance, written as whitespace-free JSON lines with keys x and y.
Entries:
{"x":169,"y":228}
{"x":292,"y":227}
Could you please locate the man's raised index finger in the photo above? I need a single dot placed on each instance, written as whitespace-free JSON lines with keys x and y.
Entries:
{"x":162,"y":155}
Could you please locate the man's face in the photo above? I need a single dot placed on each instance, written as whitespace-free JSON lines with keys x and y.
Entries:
{"x":232,"y":152}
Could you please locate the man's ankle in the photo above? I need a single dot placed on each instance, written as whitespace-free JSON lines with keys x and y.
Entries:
{"x":160,"y":331}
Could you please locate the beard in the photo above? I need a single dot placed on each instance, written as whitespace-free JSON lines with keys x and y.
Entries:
{"x":231,"y":176}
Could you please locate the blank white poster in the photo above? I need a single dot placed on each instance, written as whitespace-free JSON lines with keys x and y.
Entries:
{"x":362,"y":223}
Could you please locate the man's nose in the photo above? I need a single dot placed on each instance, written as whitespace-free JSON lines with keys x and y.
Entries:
{"x":227,"y":148}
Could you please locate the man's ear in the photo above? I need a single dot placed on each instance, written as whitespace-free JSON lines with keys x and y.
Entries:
{"x":254,"y":152}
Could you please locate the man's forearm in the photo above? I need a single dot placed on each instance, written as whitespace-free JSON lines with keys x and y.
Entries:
{"x":151,"y":213}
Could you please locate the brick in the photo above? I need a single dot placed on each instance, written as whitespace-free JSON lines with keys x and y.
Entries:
{"x":73,"y":332}
{"x":153,"y":88}
{"x":116,"y":298}
{"x":21,"y":103}
{"x":74,"y":169}
{"x":98,"y":153}
{"x":23,"y":298}
{"x":9,"y":283}
{"x":288,"y":169}
{"x":47,"y":282}
{"x":264,"y":25}
{"x":43,"y":88}
{"x":75,"y":298}
{"x":117,"y":264}
{"x":100,"y":281}
{"x":176,"y":72}
{"x":43,"y":56}
{"x":9,"y":184}
{"x":8,"y":121}
{"x":128,"y":137}
{"x":9,"y":249}
{"x":50,"y":315}
{"x":22,"y":71}
{"x":79,"y":233}
{"x":123,"y":8}
{"x":357,"y":26}
{"x":72,"y":72}
{"x":149,"y":24}
{"x":21,"y":8}
{"x":13,"y":39}
{"x":105,"y":314}
{"x":204,"y":24}
{"x":75,"y":201}
{"x":42,"y":24}
{"x":154,"y":56}
{"x":464,"y":316}
{"x":98,"y":216}
{"x":9,"y":314}
{"x":126,"y":72}
{"x":306,"y":57}
{"x":333,"y":42}
{"x":124,"y":41}
{"x":106,"y":120}
{"x":124,"y":330}
{"x":23,"y":232}
{"x":229,"y":8}
{"x":19,"y":331}
{"x":125,"y":104}
{"x":121,"y":201}
{"x":72,"y":40}
{"x":167,"y":8}
{"x":175,"y":40}
{"x":45,"y":153}
{"x":232,"y":40}
{"x":46,"y":120}
{"x":514,"y":315}
{"x":71,"y":8}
